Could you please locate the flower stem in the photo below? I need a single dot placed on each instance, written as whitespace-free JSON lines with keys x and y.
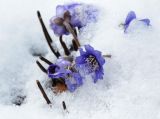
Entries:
{"x":71,"y":30}
{"x":108,"y":56}
{"x":64,"y":106}
{"x":43,"y":92}
{"x":45,"y":60}
{"x":66,"y":50}
{"x":75,"y":47}
{"x":47,"y":36}
{"x":41,"y":67}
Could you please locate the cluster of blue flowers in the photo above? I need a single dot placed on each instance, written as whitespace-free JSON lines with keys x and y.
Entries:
{"x":90,"y":62}
{"x":71,"y":70}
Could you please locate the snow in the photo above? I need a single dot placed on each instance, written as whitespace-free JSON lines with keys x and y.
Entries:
{"x":131,"y":85}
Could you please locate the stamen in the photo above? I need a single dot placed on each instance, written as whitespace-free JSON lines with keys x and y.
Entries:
{"x":91,"y":60}
{"x":43,"y":92}
{"x":45,"y":60}
{"x":41,"y":67}
{"x":66,"y":50}
{"x":47,"y":36}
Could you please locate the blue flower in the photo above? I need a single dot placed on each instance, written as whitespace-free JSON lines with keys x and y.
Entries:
{"x":63,"y":70}
{"x":130,"y":17}
{"x":79,"y":15}
{"x":73,"y":81}
{"x":55,"y":71}
{"x":91,"y":62}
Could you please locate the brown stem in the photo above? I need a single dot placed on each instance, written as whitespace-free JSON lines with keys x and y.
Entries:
{"x":43,"y":92}
{"x":47,"y":36}
{"x":45,"y":60}
{"x":75,"y":31}
{"x":74,"y":43}
{"x":66,"y":50}
{"x":108,"y":56}
{"x":71,"y":30}
{"x":41,"y":67}
{"x":75,"y":47}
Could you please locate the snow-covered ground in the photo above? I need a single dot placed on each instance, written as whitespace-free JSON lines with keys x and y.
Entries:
{"x":131,"y":85}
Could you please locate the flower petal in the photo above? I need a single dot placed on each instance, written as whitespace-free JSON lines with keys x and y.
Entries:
{"x":131,"y":15}
{"x":146,"y":21}
{"x":60,"y":9}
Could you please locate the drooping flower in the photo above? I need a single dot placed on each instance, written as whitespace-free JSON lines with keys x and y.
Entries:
{"x":63,"y":71}
{"x":130,"y":17}
{"x":55,"y":71}
{"x":91,"y":62}
{"x":78,"y":15}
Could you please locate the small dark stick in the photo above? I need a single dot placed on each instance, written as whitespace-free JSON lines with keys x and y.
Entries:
{"x":43,"y":92}
{"x":45,"y":60}
{"x":66,"y":50}
{"x":41,"y":67}
{"x":108,"y":56}
{"x":64,"y":105}
{"x":47,"y":36}
{"x":75,"y":47}
{"x":75,"y":31}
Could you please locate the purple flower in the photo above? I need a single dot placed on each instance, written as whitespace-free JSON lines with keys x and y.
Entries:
{"x":73,"y":81}
{"x":91,"y":62}
{"x":63,"y":70}
{"x":63,"y":62}
{"x":79,"y":15}
{"x":130,"y":17}
{"x":55,"y":71}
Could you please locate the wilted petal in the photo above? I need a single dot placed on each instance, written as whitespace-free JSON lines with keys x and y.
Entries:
{"x":71,"y":87}
{"x":146,"y":21}
{"x":60,"y":9}
{"x":58,"y":29}
{"x":131,"y":15}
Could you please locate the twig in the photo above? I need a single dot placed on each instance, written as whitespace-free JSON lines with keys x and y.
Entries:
{"x":47,"y":36}
{"x":41,"y":67}
{"x":108,"y":56}
{"x":45,"y":60}
{"x":43,"y":92}
{"x":75,"y":47}
{"x":66,"y":50}
{"x":64,"y":106}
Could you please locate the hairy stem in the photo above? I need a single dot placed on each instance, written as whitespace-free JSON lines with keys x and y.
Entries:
{"x":108,"y":56}
{"x":45,"y":60}
{"x":41,"y":67}
{"x":47,"y":36}
{"x":71,"y":30}
{"x":43,"y":92}
{"x":66,"y":50}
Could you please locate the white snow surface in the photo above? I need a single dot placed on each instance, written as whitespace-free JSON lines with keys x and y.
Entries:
{"x":131,"y":85}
